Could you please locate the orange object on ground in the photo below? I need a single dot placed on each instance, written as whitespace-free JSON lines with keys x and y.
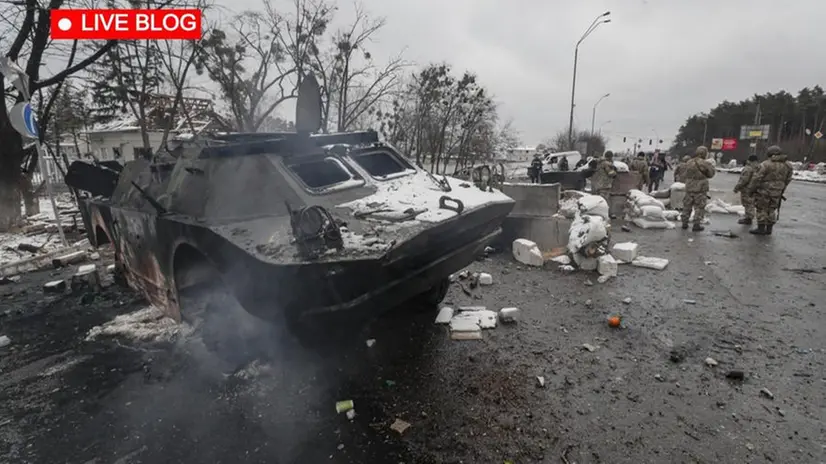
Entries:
{"x":614,"y":321}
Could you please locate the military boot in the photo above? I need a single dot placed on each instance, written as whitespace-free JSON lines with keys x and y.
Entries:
{"x":769,"y":229}
{"x":746,"y":220}
{"x":698,"y":228}
{"x":760,"y":230}
{"x":685,"y":226}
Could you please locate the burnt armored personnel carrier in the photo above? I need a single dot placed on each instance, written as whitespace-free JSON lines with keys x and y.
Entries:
{"x":292,"y":225}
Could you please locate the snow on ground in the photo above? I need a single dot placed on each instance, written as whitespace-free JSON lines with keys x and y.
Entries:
{"x":146,"y":325}
{"x":805,"y":176}
{"x":417,"y":196}
{"x":45,"y":240}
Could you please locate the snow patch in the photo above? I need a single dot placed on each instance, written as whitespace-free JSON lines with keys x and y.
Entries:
{"x":147,"y":325}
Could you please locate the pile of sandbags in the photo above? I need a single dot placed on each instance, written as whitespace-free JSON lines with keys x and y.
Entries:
{"x":569,"y":203}
{"x":593,"y":205}
{"x":589,"y":235}
{"x":646,"y":211}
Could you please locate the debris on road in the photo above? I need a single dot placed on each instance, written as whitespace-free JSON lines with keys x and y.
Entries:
{"x":562,"y":259}
{"x":444,"y":316}
{"x":607,"y":266}
{"x":55,"y":286}
{"x":461,"y":336}
{"x":691,"y":302}
{"x":659,"y":378}
{"x":4,"y":341}
{"x":71,"y":258}
{"x":371,"y":342}
{"x":400,"y":426}
{"x":626,"y":251}
{"x":614,"y":321}
{"x":724,"y":233}
{"x":344,"y":406}
{"x":711,"y":362}
{"x":508,"y":314}
{"x":9,"y":280}
{"x":589,"y":347}
{"x":86,"y":278}
{"x":650,"y":263}
{"x":627,"y":300}
{"x":735,"y":375}
{"x":351,"y":414}
{"x":485,"y":279}
{"x":767,"y":393}
{"x":540,"y":381}
{"x":527,"y":252}
{"x":146,"y":325}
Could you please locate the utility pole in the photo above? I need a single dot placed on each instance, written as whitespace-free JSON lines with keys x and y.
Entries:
{"x":599,"y":20}
{"x":594,"y":112}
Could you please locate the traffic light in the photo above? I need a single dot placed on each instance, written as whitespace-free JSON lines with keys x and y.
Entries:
{"x":650,"y":142}
{"x":623,"y":140}
{"x":661,"y":141}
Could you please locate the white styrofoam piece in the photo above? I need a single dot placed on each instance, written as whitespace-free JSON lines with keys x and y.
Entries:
{"x":444,"y":316}
{"x":626,"y":251}
{"x":527,"y":252}
{"x":650,"y":263}
{"x":485,"y":279}
{"x":508,"y":314}
{"x":607,"y":266}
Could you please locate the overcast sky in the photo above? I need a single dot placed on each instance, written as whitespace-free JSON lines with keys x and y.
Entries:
{"x":661,"y":60}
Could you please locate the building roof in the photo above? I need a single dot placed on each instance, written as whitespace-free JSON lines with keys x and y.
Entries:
{"x":200,"y":110}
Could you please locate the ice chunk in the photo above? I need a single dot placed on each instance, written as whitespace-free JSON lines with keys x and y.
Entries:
{"x":444,"y":316}
{"x":607,"y":265}
{"x":526,"y":252}
{"x":485,"y":279}
{"x":593,"y":205}
{"x":650,"y":263}
{"x":508,"y":314}
{"x":626,"y":251}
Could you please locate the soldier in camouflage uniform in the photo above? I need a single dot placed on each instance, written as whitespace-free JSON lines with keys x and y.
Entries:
{"x":641,"y":166}
{"x":697,"y":173}
{"x":746,"y":199}
{"x":767,"y":185}
{"x":603,"y":178}
{"x":679,"y":171}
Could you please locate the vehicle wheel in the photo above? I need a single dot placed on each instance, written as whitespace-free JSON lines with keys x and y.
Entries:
{"x":435,"y":295}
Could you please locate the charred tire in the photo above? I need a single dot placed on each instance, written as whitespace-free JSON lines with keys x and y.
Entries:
{"x":434,"y":296}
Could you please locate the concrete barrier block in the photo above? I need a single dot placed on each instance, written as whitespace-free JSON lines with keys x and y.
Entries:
{"x":533,"y":199}
{"x":526,"y":252}
{"x":548,"y":232}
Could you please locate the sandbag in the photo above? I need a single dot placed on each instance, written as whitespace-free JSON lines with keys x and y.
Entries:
{"x":593,"y":205}
{"x":620,"y":166}
{"x":677,"y":186}
{"x":643,"y":223}
{"x":584,"y":230}
{"x":641,"y":199}
{"x":652,"y":212}
{"x":677,"y":197}
{"x":671,"y":215}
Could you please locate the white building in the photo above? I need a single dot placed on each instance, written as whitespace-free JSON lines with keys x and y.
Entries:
{"x":122,"y":140}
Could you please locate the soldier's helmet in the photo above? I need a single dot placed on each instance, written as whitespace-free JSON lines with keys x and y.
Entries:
{"x":609,"y":154}
{"x":774,"y":150}
{"x":701,"y":151}
{"x":686,"y":158}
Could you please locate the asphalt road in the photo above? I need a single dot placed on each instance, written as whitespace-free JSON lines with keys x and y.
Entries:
{"x":759,"y":307}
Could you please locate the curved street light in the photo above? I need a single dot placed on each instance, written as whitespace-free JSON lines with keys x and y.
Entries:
{"x":594,"y":112}
{"x":601,"y":19}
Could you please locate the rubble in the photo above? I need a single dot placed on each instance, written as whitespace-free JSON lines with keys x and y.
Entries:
{"x":55,"y":286}
{"x":650,"y":263}
{"x":607,"y":266}
{"x":710,"y":362}
{"x":71,"y":258}
{"x":444,"y":316}
{"x":562,"y":259}
{"x":626,"y":251}
{"x":86,"y":278}
{"x":4,"y":341}
{"x":767,"y":393}
{"x":527,"y":252}
{"x":400,"y":426}
{"x":485,"y":279}
{"x":508,"y":314}
{"x":540,"y":381}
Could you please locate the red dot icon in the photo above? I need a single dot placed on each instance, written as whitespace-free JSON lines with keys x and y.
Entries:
{"x":64,"y":24}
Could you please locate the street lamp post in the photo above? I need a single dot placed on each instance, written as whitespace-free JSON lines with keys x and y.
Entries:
{"x":599,"y":20}
{"x":594,"y":112}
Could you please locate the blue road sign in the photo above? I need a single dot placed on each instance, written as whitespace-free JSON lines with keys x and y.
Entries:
{"x":24,"y":120}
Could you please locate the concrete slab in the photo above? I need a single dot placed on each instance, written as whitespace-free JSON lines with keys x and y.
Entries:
{"x":533,"y":199}
{"x":548,"y":232}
